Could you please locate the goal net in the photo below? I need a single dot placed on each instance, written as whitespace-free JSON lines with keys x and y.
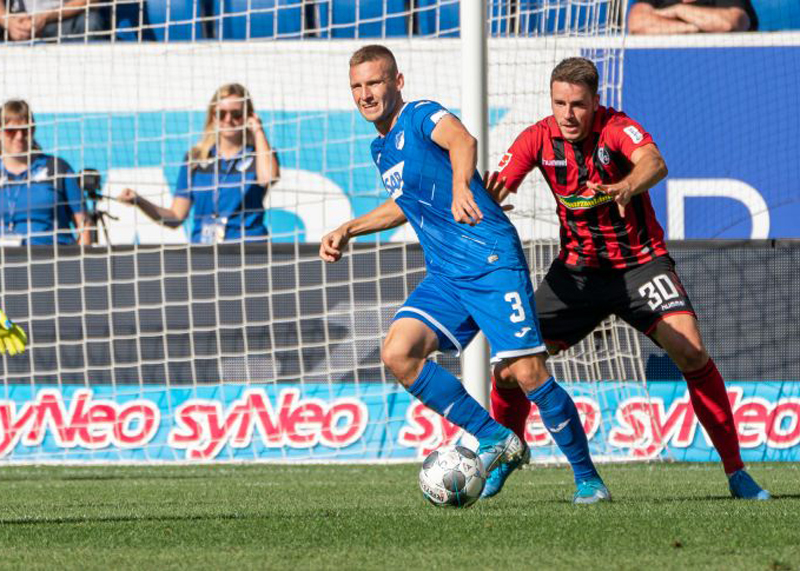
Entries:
{"x":147,"y":346}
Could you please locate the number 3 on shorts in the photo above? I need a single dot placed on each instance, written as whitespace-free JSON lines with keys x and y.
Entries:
{"x":518,"y":314}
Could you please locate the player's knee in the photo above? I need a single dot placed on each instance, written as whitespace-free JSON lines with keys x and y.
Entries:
{"x":691,"y":357}
{"x":398,"y":359}
{"x":503,"y":377}
{"x":530,"y":372}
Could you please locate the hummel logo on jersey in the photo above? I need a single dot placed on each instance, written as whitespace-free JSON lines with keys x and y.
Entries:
{"x":554,"y":162}
{"x":521,"y":333}
{"x":634,"y":133}
{"x":400,"y":140}
{"x":559,"y":427}
{"x":393,"y":180}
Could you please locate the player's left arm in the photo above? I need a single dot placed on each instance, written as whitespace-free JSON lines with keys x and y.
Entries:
{"x":649,"y":168}
{"x":451,"y":135}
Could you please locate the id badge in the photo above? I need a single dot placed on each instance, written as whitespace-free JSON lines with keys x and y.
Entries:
{"x":213,"y":230}
{"x":10,"y":240}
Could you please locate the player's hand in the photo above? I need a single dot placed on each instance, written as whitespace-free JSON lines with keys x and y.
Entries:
{"x":128,"y":196}
{"x":464,"y":208}
{"x":497,"y":188}
{"x":621,"y":192}
{"x":12,"y":337}
{"x":330,"y":249}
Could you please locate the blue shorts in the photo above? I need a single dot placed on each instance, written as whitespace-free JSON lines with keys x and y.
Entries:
{"x":500,"y":303}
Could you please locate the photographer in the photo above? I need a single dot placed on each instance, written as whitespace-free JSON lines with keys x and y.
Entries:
{"x":40,"y":199}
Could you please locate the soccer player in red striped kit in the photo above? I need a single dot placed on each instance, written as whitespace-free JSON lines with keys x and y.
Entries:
{"x":600,"y":164}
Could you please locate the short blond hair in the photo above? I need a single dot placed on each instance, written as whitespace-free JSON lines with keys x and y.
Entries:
{"x":374,"y":52}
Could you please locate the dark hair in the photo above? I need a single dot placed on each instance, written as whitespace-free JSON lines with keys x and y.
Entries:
{"x":578,"y":71}
{"x":374,"y":52}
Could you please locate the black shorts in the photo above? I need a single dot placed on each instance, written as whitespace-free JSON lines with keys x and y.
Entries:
{"x":571,"y":302}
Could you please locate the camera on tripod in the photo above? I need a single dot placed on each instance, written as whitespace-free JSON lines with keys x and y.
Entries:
{"x":91,"y":182}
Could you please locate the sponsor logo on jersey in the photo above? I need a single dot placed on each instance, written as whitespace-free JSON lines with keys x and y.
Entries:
{"x":393,"y":180}
{"x":554,"y":162}
{"x":400,"y":140}
{"x":584,"y":200}
{"x":504,"y":161}
{"x":436,"y":117}
{"x":602,"y":154}
{"x":634,"y":133}
{"x":493,"y":258}
{"x":522,"y":332}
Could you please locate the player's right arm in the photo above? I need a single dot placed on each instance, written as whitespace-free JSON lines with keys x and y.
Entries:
{"x":522,"y":157}
{"x":385,"y":217}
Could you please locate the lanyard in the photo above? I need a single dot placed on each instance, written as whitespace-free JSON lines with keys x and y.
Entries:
{"x":11,"y":210}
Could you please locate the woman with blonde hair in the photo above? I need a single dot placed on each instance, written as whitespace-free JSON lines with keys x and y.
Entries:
{"x":225,"y":176}
{"x":40,"y":198}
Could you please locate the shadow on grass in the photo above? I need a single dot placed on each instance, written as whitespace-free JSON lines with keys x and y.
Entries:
{"x":103,"y":477}
{"x":117,"y":519}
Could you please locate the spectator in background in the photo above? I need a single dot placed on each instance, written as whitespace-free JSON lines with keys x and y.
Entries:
{"x":40,"y":199}
{"x":225,"y":176}
{"x":24,"y":20}
{"x":691,"y":16}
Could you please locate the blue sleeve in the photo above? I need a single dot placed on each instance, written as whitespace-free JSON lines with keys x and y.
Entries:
{"x":182,"y":187}
{"x":425,"y":116}
{"x":69,"y":183}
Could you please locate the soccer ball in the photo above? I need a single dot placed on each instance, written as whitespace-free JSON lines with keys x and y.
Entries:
{"x":452,"y":476}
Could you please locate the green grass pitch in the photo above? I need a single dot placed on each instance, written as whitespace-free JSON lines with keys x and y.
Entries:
{"x":664,"y":516}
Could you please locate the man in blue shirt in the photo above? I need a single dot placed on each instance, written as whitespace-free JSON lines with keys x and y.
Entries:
{"x":477,"y":276}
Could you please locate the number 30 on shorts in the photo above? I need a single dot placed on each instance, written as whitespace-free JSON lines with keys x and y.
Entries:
{"x":657,"y":291}
{"x":518,"y":311}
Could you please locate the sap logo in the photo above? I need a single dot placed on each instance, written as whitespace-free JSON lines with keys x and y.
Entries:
{"x":393,"y":180}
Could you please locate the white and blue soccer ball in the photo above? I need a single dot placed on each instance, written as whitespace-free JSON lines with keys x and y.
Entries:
{"x":452,"y":476}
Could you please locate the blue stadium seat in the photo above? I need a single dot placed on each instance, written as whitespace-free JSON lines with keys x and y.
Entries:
{"x":776,"y":15}
{"x":175,"y":20}
{"x":130,"y":20}
{"x":438,"y":18}
{"x":540,"y":17}
{"x":383,"y":24}
{"x":250,"y":19}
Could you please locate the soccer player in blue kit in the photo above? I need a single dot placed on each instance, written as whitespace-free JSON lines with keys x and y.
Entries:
{"x":477,"y":276}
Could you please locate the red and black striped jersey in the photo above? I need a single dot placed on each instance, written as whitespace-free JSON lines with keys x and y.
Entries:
{"x":593,"y":232}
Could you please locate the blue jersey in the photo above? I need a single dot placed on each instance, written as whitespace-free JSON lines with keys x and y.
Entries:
{"x":38,"y":206}
{"x":419,"y":177}
{"x":224,"y":192}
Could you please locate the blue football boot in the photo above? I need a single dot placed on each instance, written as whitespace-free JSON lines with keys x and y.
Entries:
{"x":497,"y":477}
{"x":502,"y":448}
{"x":743,"y":486}
{"x":591,"y":491}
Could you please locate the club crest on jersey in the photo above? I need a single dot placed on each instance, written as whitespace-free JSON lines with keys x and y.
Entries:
{"x":584,"y":199}
{"x":400,"y":140}
{"x":602,"y":154}
{"x":504,"y":161}
{"x":393,"y":180}
{"x":39,"y":175}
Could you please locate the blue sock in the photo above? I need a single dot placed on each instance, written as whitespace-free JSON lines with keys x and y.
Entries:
{"x":442,"y":392}
{"x":558,"y":412}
